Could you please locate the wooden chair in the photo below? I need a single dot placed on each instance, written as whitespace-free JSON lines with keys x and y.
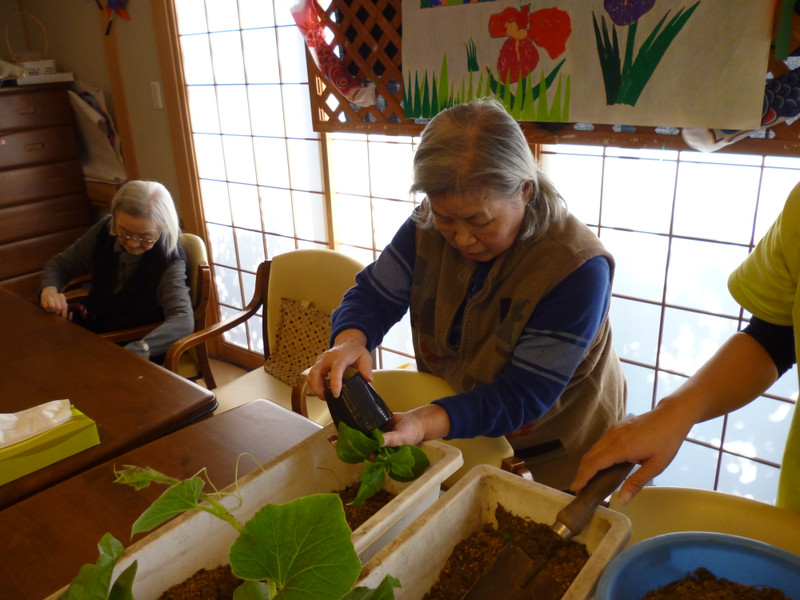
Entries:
{"x":318,"y":276}
{"x":404,"y":389}
{"x":195,"y":364}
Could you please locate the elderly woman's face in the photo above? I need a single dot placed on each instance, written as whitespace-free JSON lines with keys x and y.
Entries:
{"x":136,"y":234}
{"x":481,"y":225}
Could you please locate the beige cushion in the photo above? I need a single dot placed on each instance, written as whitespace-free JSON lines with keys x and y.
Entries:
{"x":302,"y":335}
{"x":260,"y":384}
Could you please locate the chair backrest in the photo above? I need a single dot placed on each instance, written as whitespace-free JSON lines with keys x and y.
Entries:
{"x":196,"y":258}
{"x":403,"y":390}
{"x":657,"y":510}
{"x":318,"y":276}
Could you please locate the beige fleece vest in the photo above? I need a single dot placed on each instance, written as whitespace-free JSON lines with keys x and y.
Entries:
{"x":493,"y":321}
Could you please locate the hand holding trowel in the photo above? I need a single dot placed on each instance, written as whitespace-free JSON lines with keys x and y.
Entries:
{"x":513,"y":575}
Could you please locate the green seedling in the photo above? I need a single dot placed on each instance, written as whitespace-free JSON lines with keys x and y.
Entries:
{"x":402,"y":463}
{"x":300,"y":550}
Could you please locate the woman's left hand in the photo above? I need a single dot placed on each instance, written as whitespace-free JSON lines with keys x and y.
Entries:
{"x":417,"y":425}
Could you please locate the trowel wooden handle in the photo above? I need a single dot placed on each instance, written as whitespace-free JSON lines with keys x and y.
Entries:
{"x":577,"y":513}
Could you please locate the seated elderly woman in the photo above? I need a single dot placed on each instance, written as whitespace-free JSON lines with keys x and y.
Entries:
{"x":508,"y":295}
{"x":137,"y":269}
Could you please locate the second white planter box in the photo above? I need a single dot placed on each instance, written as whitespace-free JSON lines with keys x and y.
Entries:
{"x":417,"y":555}
{"x":196,"y":540}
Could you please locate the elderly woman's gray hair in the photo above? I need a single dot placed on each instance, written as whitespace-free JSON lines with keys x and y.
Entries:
{"x":477,"y":147}
{"x":149,"y":200}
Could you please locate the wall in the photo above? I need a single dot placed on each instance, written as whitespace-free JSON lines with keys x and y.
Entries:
{"x":77,"y":42}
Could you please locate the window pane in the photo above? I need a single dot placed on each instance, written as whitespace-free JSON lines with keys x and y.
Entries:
{"x":640,"y":260}
{"x":222,"y":15}
{"x":234,"y":110}
{"x":390,"y":169}
{"x":635,"y":327}
{"x":637,"y":194}
{"x":229,"y":290}
{"x":748,"y":478}
{"x":292,"y":55}
{"x":215,"y":201}
{"x":203,"y":108}
{"x":196,"y":55}
{"x":209,"y":157}
{"x":698,"y":275}
{"x":759,"y":429}
{"x":245,"y":205}
{"x":350,"y":166}
{"x":266,"y":104}
{"x":392,"y":214}
{"x":297,"y":107}
{"x":716,"y":202}
{"x":272,"y":165}
{"x":251,"y":248}
{"x":261,"y":56}
{"x":226,"y":55}
{"x":276,"y":206}
{"x":191,"y":19}
{"x":690,"y":339}
{"x":256,"y":13}
{"x":309,"y":216}
{"x":694,"y":467}
{"x":239,"y":159}
{"x":353,"y":220}
{"x":582,"y":194}
{"x":640,"y":388}
{"x":305,"y":166}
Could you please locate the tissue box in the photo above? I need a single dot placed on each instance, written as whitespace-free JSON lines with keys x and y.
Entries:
{"x":77,"y":434}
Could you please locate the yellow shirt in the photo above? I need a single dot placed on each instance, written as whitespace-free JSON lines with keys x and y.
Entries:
{"x":766,"y":285}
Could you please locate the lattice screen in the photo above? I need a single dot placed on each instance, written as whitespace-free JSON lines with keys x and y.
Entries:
{"x":367,"y":35}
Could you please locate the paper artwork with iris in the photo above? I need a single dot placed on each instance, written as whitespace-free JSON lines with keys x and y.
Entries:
{"x":626,"y":71}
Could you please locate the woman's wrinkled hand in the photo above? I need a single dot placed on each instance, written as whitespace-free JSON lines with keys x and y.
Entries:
{"x":349,"y":349}
{"x":413,"y":427}
{"x":53,"y":302}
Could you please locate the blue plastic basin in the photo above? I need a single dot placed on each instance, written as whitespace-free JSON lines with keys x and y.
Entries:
{"x":657,"y":561}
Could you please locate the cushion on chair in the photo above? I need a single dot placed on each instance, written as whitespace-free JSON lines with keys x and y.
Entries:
{"x":303,"y":334}
{"x":259,"y":384}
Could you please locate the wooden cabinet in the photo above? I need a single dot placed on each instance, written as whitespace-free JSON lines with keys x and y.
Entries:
{"x":43,"y":201}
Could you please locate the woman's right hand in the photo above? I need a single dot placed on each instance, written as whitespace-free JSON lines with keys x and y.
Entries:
{"x":651,"y":440}
{"x":349,"y":349}
{"x":53,"y":301}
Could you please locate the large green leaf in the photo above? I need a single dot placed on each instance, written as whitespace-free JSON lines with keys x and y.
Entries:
{"x":304,"y":546}
{"x":176,"y":499}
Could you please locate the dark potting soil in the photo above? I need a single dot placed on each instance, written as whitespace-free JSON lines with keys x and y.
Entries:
{"x":220,"y":583}
{"x":702,"y":584}
{"x":472,"y":556}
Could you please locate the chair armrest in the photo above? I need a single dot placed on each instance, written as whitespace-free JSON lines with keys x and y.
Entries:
{"x":193,"y":339}
{"x":516,"y":465}
{"x":299,"y":393}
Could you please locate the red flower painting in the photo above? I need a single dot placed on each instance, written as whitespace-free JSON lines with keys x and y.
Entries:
{"x":547,"y":29}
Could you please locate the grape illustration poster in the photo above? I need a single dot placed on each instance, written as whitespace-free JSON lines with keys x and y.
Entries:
{"x":680,"y":63}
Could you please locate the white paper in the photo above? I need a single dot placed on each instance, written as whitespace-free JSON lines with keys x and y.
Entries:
{"x":20,"y":426}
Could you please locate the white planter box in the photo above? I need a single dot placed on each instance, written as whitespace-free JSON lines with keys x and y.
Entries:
{"x":417,"y":555}
{"x":196,"y":540}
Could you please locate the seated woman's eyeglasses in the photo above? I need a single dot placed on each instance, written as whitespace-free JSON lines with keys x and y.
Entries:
{"x":135,"y":238}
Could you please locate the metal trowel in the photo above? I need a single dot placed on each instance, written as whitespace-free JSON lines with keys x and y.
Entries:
{"x":513,"y":575}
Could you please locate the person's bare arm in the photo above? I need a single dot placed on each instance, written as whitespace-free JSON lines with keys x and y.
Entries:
{"x":739,"y":372}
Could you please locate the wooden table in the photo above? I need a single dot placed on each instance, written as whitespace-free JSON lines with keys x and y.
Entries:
{"x":133,"y":401}
{"x":47,"y":537}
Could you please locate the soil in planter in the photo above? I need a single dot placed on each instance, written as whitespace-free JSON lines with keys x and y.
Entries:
{"x":472,"y":556}
{"x":220,"y":583}
{"x":702,"y":584}
{"x":357,"y":515}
